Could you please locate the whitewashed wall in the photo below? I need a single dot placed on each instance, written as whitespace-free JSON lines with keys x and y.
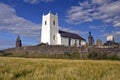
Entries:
{"x":53,"y":29}
{"x":64,"y":41}
{"x":74,"y":42}
{"x":59,"y":39}
{"x":45,"y":30}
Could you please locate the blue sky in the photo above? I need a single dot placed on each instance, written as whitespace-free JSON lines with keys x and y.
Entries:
{"x":23,"y":17}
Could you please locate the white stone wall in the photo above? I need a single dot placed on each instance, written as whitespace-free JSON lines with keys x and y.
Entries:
{"x":45,"y":30}
{"x":59,"y":39}
{"x":74,"y":42}
{"x":64,"y":41}
{"x":53,"y":29}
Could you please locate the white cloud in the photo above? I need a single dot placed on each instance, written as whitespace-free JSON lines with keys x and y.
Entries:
{"x":116,"y":34}
{"x":116,"y":21}
{"x":10,"y":22}
{"x":37,"y":1}
{"x":101,"y":28}
{"x":101,"y":1}
{"x":105,"y":10}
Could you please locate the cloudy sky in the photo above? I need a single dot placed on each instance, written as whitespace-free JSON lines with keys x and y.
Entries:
{"x":23,"y":17}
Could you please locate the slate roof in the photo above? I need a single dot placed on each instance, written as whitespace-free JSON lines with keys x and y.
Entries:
{"x":70,"y":35}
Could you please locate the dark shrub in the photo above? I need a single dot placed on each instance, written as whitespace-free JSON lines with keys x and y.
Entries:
{"x":2,"y":53}
{"x":67,"y":54}
{"x":114,"y":57}
{"x":42,"y":44}
{"x":103,"y":56}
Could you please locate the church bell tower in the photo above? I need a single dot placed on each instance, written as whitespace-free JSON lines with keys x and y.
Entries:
{"x":49,"y":30}
{"x":90,"y":39}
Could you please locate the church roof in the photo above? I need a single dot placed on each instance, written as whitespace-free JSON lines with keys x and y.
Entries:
{"x":70,"y":35}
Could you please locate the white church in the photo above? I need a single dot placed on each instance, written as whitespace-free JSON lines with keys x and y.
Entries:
{"x":51,"y":34}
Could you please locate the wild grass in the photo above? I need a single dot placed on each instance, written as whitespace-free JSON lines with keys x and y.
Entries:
{"x":57,"y":69}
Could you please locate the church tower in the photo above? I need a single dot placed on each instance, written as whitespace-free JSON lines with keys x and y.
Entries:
{"x":18,"y":42}
{"x":90,"y":39}
{"x":49,"y":30}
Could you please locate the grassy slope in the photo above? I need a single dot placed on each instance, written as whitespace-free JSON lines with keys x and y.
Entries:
{"x":56,"y":69}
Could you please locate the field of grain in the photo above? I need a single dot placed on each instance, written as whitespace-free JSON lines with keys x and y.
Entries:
{"x":57,"y":69}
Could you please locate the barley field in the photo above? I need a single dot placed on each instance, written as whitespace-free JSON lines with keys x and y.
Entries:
{"x":12,"y":68}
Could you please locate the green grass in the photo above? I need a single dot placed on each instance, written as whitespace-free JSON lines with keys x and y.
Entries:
{"x":57,"y":69}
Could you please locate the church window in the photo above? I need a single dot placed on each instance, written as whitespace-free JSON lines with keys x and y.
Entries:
{"x":75,"y":42}
{"x":69,"y":42}
{"x":79,"y":42}
{"x":53,"y":22}
{"x":45,"y":22}
{"x":53,"y":37}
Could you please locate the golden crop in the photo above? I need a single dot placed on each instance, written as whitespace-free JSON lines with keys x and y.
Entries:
{"x":57,"y":69}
